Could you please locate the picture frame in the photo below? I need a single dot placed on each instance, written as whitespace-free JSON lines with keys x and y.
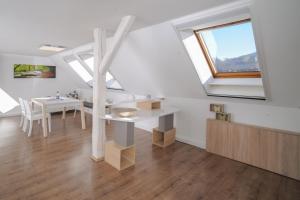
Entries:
{"x":217,"y":108}
{"x":223,"y":116}
{"x":34,"y":71}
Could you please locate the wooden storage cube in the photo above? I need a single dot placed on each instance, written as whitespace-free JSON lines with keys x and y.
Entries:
{"x":163,"y":139}
{"x":119,"y":157}
{"x":148,"y":105}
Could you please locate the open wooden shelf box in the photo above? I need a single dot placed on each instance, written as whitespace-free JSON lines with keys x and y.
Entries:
{"x":163,"y":138}
{"x":119,"y":157}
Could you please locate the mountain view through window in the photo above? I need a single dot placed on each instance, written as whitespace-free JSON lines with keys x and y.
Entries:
{"x":231,"y":48}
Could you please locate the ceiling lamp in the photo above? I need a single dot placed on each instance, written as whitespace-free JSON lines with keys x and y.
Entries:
{"x":48,"y":47}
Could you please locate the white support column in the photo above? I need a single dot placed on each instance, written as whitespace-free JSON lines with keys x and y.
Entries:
{"x":102,"y":61}
{"x":119,"y":36}
{"x":99,"y":96}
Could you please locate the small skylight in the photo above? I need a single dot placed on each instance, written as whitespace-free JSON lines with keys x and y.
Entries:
{"x":7,"y":103}
{"x":90,"y":62}
{"x":230,"y":50}
{"x":111,"y":82}
{"x":80,"y":70}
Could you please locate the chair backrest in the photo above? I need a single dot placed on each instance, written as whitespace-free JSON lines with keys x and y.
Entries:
{"x":27,"y":107}
{"x":22,"y":105}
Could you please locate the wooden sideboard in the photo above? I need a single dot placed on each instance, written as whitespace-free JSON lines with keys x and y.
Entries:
{"x":271,"y":149}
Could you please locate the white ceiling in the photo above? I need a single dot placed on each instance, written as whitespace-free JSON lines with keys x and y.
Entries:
{"x":25,"y":25}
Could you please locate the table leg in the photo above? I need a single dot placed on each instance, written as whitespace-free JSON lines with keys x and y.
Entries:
{"x":64,"y":113}
{"x":82,"y":116}
{"x":44,"y":121}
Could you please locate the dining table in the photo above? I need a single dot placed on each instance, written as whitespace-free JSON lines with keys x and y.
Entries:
{"x":60,"y":103}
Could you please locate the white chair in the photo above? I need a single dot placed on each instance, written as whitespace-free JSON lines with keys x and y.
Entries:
{"x":22,"y":111}
{"x":33,"y":115}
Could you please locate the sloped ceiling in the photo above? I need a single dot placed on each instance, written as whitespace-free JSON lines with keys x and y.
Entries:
{"x":25,"y":25}
{"x":153,"y":61}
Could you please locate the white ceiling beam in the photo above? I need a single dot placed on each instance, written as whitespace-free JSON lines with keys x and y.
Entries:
{"x":123,"y":29}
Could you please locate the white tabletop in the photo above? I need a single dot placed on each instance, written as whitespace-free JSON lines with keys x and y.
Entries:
{"x":142,"y":115}
{"x":54,"y":101}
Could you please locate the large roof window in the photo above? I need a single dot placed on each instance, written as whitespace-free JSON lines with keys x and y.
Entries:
{"x":111,"y":82}
{"x":83,"y":65}
{"x":230,"y":50}
{"x":7,"y":103}
{"x":90,"y":63}
{"x":80,"y":70}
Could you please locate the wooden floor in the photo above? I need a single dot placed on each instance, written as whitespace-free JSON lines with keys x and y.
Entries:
{"x":59,"y":167}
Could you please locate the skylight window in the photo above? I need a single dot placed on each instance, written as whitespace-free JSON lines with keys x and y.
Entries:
{"x":111,"y":82}
{"x":90,"y":63}
{"x":230,"y":50}
{"x":7,"y":103}
{"x":80,"y":70}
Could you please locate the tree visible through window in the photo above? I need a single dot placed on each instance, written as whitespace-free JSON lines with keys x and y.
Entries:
{"x":230,"y":50}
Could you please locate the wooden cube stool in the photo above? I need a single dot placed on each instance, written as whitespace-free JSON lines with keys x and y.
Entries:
{"x":163,"y":138}
{"x":119,"y":157}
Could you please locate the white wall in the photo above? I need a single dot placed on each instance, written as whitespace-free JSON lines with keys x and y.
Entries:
{"x":118,"y":96}
{"x":32,"y":87}
{"x":277,"y":23}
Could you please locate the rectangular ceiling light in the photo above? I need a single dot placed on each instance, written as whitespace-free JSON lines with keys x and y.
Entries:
{"x":48,"y":47}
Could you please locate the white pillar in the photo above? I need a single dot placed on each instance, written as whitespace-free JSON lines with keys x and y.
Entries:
{"x":99,"y":97}
{"x":102,"y":61}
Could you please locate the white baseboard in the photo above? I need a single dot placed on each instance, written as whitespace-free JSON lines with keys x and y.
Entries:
{"x":190,"y":141}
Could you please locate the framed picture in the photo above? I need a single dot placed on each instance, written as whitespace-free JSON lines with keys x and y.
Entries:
{"x":217,"y":108}
{"x":34,"y":71}
{"x":223,"y":116}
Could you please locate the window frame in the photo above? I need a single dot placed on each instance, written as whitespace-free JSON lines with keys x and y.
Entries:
{"x":86,"y":78}
{"x":209,"y":60}
{"x":92,"y":70}
{"x":116,"y":89}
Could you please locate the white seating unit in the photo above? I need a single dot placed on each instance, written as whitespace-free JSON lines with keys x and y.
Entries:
{"x":33,"y":115}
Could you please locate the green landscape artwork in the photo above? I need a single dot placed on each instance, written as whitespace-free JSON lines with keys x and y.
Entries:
{"x":34,"y":71}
